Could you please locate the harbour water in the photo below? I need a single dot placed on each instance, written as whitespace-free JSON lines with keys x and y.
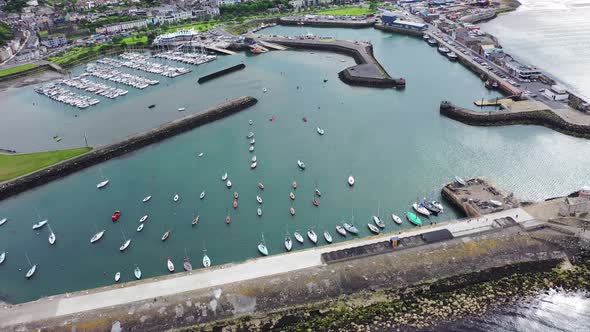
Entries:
{"x":393,"y":142}
{"x":552,"y":35}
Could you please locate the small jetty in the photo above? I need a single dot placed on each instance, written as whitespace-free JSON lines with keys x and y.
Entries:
{"x":101,"y":89}
{"x":141,"y":62}
{"x":478,"y":196}
{"x":220,"y":73}
{"x":110,"y":74}
{"x":189,"y":58}
{"x":66,"y":96}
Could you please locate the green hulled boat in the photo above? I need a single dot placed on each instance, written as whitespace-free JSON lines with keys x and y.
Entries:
{"x":414,"y":219}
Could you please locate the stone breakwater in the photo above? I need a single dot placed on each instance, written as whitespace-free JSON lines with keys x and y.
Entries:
{"x":132,"y":143}
{"x":220,"y":73}
{"x":545,"y":118}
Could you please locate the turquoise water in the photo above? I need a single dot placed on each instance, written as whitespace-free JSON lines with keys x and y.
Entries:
{"x":394,"y":142}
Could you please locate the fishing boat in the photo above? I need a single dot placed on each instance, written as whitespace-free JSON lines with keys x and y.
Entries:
{"x":35,"y":226}
{"x":97,"y":236}
{"x":350,"y":228}
{"x":259,"y":211}
{"x":250,"y":135}
{"x":235,"y":204}
{"x":228,"y":184}
{"x":292,"y":196}
{"x":52,"y":237}
{"x":288,"y":243}
{"x":261,"y":185}
{"x":228,"y":219}
{"x":292,"y":211}
{"x":176,"y":198}
{"x":495,"y":203}
{"x":378,"y":222}
{"x":301,"y":164}
{"x":396,"y":219}
{"x":328,"y":236}
{"x":320,"y":131}
{"x":460,"y":181}
{"x":253,"y":165}
{"x":236,"y":195}
{"x":224,"y":177}
{"x":298,"y":237}
{"x":312,"y":236}
{"x":102,"y":184}
{"x":137,"y":273}
{"x":317,"y":192}
{"x":421,"y":209}
{"x":196,"y":220}
{"x":206,"y":261}
{"x":351,"y":180}
{"x":438,"y":205}
{"x":251,"y":148}
{"x":315,"y":202}
{"x":340,"y":230}
{"x":373,"y":228}
{"x":2,"y":257}
{"x":413,"y":218}
{"x":125,"y":245}
{"x":166,"y":236}
{"x":117,"y":276}
{"x":31,"y":271}
{"x":259,"y":199}
{"x":147,"y":198}
{"x":169,"y":264}
{"x":4,"y":220}
{"x":116,"y":215}
{"x":294,"y":184}
{"x":144,"y":218}
{"x":202,"y":195}
{"x":140,"y":227}
{"x":186,"y":263}
{"x":430,"y":207}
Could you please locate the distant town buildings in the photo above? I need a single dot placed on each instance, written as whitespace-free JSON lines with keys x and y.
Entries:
{"x":55,"y":40}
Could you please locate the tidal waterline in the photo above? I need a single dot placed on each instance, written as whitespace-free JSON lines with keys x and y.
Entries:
{"x":393,"y":142}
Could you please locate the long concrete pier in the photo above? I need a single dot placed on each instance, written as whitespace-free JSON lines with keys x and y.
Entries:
{"x":129,"y":144}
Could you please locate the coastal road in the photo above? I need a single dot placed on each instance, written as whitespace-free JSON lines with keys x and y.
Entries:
{"x":72,"y":303}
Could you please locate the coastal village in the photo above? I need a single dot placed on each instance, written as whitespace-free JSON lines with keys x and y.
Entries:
{"x":411,"y":269}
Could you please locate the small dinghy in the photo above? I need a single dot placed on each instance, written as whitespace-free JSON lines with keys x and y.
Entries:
{"x":373,"y":228}
{"x":102,"y":184}
{"x":196,"y":220}
{"x":253,"y":165}
{"x":125,"y":245}
{"x":31,"y":271}
{"x":137,"y":273}
{"x":298,"y":237}
{"x":147,"y":198}
{"x":2,"y":257}
{"x":312,"y":236}
{"x":142,"y":219}
{"x":294,"y":184}
{"x":261,"y":185}
{"x":340,"y":230}
{"x":328,"y":236}
{"x":292,"y":196}
{"x":186,"y":263}
{"x":351,"y":180}
{"x":350,"y":228}
{"x":378,"y":222}
{"x":301,"y":164}
{"x":140,"y":227}
{"x":236,"y":195}
{"x":396,"y":219}
{"x":176,"y":198}
{"x":224,"y":177}
{"x":258,"y":199}
{"x":292,"y":211}
{"x":202,"y":195}
{"x":259,"y":211}
{"x":97,"y":236}
{"x":228,"y":184}
{"x":206,"y":261}
{"x":320,"y":131}
{"x":315,"y":202}
{"x":166,"y":236}
{"x":116,"y":215}
{"x":117,"y":276}
{"x":251,"y":148}
{"x":35,"y":226}
{"x":169,"y":264}
{"x":235,"y":204}
{"x":288,"y":243}
{"x":421,"y":209}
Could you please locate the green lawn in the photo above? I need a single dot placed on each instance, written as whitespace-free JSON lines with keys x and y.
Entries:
{"x":199,"y":26}
{"x":348,"y":10}
{"x":13,"y":165}
{"x":135,"y":39}
{"x":16,"y":69}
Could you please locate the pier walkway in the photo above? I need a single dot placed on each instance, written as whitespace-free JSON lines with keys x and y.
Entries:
{"x":123,"y":294}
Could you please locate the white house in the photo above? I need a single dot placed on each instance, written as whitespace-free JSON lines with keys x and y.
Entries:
{"x":557,"y":92}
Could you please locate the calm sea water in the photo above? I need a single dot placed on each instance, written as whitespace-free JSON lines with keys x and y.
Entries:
{"x":553,"y":35}
{"x":394,"y":142}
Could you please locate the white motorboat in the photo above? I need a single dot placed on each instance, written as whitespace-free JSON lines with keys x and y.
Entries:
{"x":259,"y":212}
{"x":137,"y":273}
{"x":438,"y":205}
{"x":328,"y":236}
{"x":262,"y":249}
{"x":4,"y":220}
{"x":40,"y":224}
{"x":224,"y":177}
{"x":301,"y":164}
{"x":396,"y":219}
{"x":2,"y":257}
{"x":312,"y":236}
{"x":97,"y":236}
{"x":117,"y":276}
{"x":140,"y":227}
{"x":373,"y":228}
{"x":350,"y":228}
{"x":250,"y":135}
{"x":350,"y":180}
{"x":254,"y":159}
{"x":298,"y":237}
{"x":288,"y":243}
{"x":495,"y":203}
{"x":228,"y":184}
{"x":259,"y":199}
{"x":378,"y":222}
{"x":147,"y":198}
{"x":181,"y":109}
{"x":340,"y":230}
{"x":102,"y":184}
{"x":144,"y":218}
{"x":251,"y":148}
{"x":320,"y":131}
{"x":420,"y":209}
{"x":202,"y":195}
{"x":125,"y":245}
{"x":31,"y":271}
{"x":206,"y":261}
{"x":176,"y":198}
{"x":170,"y":265}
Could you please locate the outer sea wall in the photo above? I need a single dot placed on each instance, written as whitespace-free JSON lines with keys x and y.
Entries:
{"x":220,"y":73}
{"x":399,"y":30}
{"x":132,"y":143}
{"x":545,"y":118}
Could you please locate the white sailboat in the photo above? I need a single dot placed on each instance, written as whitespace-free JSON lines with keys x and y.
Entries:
{"x":3,"y":221}
{"x":117,"y":276}
{"x":350,"y":180}
{"x":144,"y":218}
{"x":340,"y":230}
{"x":288,"y":243}
{"x":396,"y":219}
{"x":328,"y":236}
{"x":97,"y":236}
{"x":259,"y":199}
{"x":32,"y":269}
{"x":2,"y":257}
{"x":40,"y":224}
{"x":298,"y":237}
{"x":224,"y":177}
{"x":320,"y":130}
{"x":373,"y":228}
{"x":103,"y":183}
{"x":140,"y":227}
{"x":301,"y":164}
{"x":52,"y":237}
{"x":202,"y":195}
{"x":228,"y":184}
{"x":137,"y":273}
{"x":262,"y":247}
{"x":169,"y":264}
{"x":251,"y":148}
{"x":125,"y":245}
{"x":147,"y":198}
{"x":176,"y":198}
{"x":312,"y":236}
{"x":259,"y":211}
{"x":420,"y":209}
{"x":206,"y":260}
{"x":376,"y":218}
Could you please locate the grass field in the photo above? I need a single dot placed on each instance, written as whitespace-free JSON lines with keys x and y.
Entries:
{"x":16,"y":69}
{"x":135,"y":39}
{"x":348,"y":10}
{"x":14,"y":165}
{"x":199,"y":26}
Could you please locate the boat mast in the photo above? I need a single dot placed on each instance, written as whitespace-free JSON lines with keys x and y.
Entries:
{"x":28,"y":260}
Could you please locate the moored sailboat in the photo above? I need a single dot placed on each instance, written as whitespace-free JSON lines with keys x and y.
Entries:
{"x":97,"y":236}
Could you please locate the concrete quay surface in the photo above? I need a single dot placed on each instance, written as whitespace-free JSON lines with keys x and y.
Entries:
{"x":15,"y":317}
